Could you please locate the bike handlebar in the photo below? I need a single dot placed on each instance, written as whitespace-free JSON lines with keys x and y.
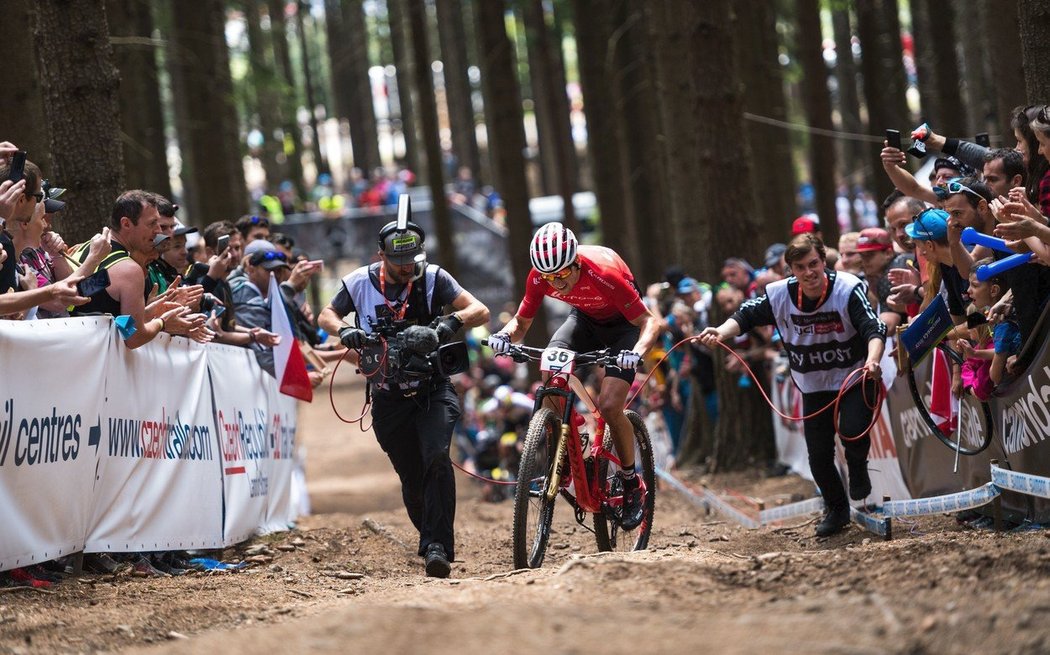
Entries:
{"x":520,"y":353}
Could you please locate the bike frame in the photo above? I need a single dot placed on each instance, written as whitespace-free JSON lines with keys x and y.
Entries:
{"x":589,"y":493}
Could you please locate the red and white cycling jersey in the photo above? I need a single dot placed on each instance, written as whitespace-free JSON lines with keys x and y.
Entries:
{"x":606,"y":288}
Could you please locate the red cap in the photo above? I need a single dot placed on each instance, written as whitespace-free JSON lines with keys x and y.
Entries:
{"x":804,"y":224}
{"x":874,"y":238}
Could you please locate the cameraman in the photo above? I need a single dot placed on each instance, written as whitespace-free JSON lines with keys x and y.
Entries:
{"x":413,"y":413}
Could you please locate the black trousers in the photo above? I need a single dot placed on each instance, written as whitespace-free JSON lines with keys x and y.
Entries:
{"x":415,"y":433}
{"x":854,"y":416}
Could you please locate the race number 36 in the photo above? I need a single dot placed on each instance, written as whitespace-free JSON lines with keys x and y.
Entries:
{"x":557,"y":360}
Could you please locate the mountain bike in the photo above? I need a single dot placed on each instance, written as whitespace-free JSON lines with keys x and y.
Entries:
{"x":559,"y":458}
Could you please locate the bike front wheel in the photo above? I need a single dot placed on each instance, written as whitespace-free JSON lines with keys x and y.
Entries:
{"x":607,"y":530}
{"x":533,"y":511}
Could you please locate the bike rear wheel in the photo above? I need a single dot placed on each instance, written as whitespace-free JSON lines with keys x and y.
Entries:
{"x":607,"y":530}
{"x":988,"y":426}
{"x":533,"y":511}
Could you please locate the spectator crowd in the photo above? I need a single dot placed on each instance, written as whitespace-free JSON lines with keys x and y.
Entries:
{"x":144,"y":264}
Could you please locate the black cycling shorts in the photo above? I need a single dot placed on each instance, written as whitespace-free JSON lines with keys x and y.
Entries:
{"x":581,"y":333}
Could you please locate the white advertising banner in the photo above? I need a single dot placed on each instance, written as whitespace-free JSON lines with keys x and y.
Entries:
{"x":242,"y":412}
{"x":172,"y":446}
{"x":280,"y":508}
{"x":51,"y":392}
{"x":160,"y":486}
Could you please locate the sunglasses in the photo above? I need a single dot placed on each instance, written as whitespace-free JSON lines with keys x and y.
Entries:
{"x":955,"y":186}
{"x":1043,"y":116}
{"x":39,"y":195}
{"x":560,"y":275}
{"x":269,"y":256}
{"x":255,"y":220}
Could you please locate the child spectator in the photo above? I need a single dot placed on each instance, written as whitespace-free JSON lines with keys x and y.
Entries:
{"x":987,"y":348}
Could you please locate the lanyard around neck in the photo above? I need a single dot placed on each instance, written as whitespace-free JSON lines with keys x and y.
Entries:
{"x":823,"y":293}
{"x":398,"y":314}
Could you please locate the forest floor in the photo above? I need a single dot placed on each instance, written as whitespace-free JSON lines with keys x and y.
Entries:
{"x":348,"y":580}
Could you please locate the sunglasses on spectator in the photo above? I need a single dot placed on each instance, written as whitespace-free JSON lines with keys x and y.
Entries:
{"x":1044,"y":117}
{"x":269,"y":256}
{"x":255,"y":220}
{"x":51,"y":192}
{"x":39,"y":195}
{"x":560,"y":275}
{"x":955,"y":186}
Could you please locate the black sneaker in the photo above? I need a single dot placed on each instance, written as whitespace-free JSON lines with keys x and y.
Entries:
{"x":834,"y":521}
{"x":436,"y":562}
{"x":859,"y":482}
{"x":100,"y":563}
{"x":633,"y":509}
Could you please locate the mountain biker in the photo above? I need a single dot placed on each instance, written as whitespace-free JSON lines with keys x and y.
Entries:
{"x":828,"y":328}
{"x":607,"y":311}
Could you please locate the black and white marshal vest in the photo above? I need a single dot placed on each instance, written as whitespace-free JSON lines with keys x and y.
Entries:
{"x":823,"y":345}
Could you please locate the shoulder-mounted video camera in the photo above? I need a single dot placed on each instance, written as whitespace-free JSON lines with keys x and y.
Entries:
{"x":413,"y":352}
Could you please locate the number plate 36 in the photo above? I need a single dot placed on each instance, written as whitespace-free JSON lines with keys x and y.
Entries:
{"x":557,"y":360}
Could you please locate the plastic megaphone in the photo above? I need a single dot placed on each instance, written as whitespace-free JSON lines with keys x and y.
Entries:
{"x":972,"y":237}
{"x":988,"y":271}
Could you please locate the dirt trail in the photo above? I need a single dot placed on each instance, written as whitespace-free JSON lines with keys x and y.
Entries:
{"x":345,"y":582}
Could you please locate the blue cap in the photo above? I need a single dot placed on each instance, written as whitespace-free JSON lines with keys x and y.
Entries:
{"x":688,"y":285}
{"x":928,"y":225}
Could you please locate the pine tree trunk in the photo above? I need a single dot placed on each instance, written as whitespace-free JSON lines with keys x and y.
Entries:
{"x":342,"y":74}
{"x":1004,"y":54}
{"x":212,"y":172}
{"x":539,"y":88}
{"x":1033,"y":18}
{"x":417,"y":20}
{"x":80,"y":87}
{"x":26,"y":128}
{"x":976,"y":72}
{"x":771,"y":145}
{"x":744,"y":433}
{"x":556,"y":148}
{"x":670,"y":34}
{"x":639,"y":129}
{"x":452,"y":34}
{"x":854,"y":153}
{"x":306,"y":54}
{"x":817,"y":102}
{"x":506,"y":140}
{"x":564,"y":125}
{"x":141,"y":117}
{"x":701,"y":103}
{"x":290,"y":104}
{"x":267,"y":95}
{"x":940,"y":86}
{"x":595,"y":59}
{"x":364,"y":134}
{"x":399,"y":40}
{"x":884,"y":81}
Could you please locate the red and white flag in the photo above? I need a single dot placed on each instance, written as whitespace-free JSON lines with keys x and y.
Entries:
{"x":944,"y":406}
{"x":288,"y":362}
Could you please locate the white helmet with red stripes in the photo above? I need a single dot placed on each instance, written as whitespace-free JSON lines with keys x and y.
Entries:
{"x":553,"y":248}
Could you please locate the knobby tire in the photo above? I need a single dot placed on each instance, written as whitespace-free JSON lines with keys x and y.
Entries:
{"x":537,"y":458}
{"x":607,"y":532}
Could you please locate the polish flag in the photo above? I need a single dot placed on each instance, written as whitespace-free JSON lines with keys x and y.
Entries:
{"x":288,"y":361}
{"x":944,"y":406}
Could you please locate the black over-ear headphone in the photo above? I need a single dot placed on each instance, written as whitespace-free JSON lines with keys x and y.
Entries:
{"x":402,"y":224}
